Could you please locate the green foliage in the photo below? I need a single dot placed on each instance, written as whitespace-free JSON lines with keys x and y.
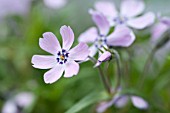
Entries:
{"x":88,"y":100}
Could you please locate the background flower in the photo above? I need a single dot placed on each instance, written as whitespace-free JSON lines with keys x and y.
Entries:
{"x":8,"y":7}
{"x":18,"y":103}
{"x":128,"y":16}
{"x":55,"y":4}
{"x":121,"y":36}
{"x":122,"y":101}
{"x":160,"y":28}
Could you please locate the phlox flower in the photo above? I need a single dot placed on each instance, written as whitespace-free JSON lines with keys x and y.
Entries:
{"x":55,"y":4}
{"x":157,"y":35}
{"x":63,"y":59}
{"x":120,"y":101}
{"x":128,"y":15}
{"x":18,"y":103}
{"x":99,"y":38}
{"x":8,"y":7}
{"x":160,"y":27}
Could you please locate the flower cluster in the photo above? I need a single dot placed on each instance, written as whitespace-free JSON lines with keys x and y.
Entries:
{"x":113,"y":29}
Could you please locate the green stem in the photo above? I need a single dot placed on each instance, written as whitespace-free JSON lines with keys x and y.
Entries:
{"x":106,"y":70}
{"x":164,"y":39}
{"x":119,"y":74}
{"x":146,"y":67}
{"x":102,"y":77}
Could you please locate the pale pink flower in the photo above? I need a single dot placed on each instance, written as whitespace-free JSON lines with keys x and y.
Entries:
{"x":122,"y":36}
{"x":139,"y":102}
{"x":22,"y":100}
{"x":128,"y":15}
{"x":157,"y":34}
{"x":55,"y":4}
{"x":8,"y":7}
{"x":121,"y":100}
{"x":160,"y":28}
{"x":62,"y":59}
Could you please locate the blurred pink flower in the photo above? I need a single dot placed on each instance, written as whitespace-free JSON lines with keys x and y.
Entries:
{"x":122,"y":36}
{"x":160,"y":28}
{"x":8,"y":7}
{"x":55,"y":4}
{"x":120,"y":101}
{"x":139,"y":102}
{"x":62,"y":59}
{"x":129,"y":10}
{"x":22,"y":100}
{"x":158,"y":31}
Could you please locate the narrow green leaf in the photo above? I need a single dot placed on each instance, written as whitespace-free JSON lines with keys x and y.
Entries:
{"x":87,"y":101}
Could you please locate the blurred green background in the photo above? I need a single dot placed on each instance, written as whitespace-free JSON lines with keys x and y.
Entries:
{"x":19,"y":35}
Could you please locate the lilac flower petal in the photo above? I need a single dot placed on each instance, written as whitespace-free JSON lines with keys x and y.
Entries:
{"x":71,"y":68}
{"x":158,"y":30}
{"x":80,"y":52}
{"x":102,"y":107}
{"x":49,"y":43}
{"x":19,"y":102}
{"x":166,"y":20}
{"x":93,"y":50}
{"x":89,"y":35}
{"x":139,"y":102}
{"x":131,"y":8}
{"x":107,"y":8}
{"x":118,"y":101}
{"x":55,"y":4}
{"x":122,"y":36}
{"x":20,"y":7}
{"x":103,"y":58}
{"x":68,"y":37}
{"x":43,"y":62}
{"x":121,"y":101}
{"x":53,"y":74}
{"x":142,"y":21}
{"x":9,"y":107}
{"x":101,"y":22}
{"x":24,"y":99}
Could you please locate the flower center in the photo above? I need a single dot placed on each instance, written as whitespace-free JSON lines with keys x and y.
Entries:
{"x":120,"y":20}
{"x":62,"y":56}
{"x":100,"y":42}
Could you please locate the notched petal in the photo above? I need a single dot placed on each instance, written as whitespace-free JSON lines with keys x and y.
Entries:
{"x":49,"y":43}
{"x":67,"y":36}
{"x":53,"y":74}
{"x":71,"y":69}
{"x":43,"y":61}
{"x":80,"y":52}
